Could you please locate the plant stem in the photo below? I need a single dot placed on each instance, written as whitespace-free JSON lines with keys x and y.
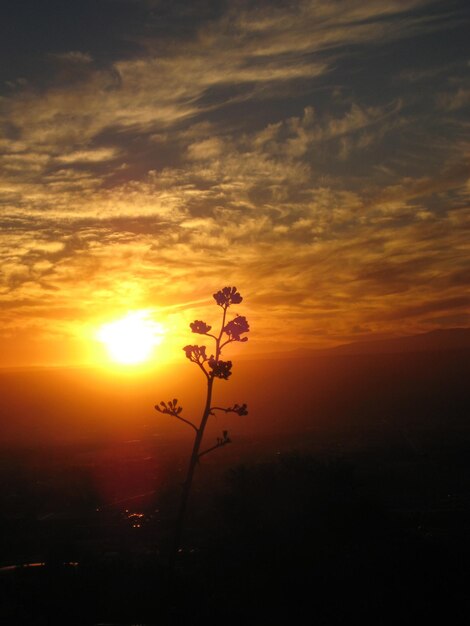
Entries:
{"x":194,"y":455}
{"x":189,"y":476}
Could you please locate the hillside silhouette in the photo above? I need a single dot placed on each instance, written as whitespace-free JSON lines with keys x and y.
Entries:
{"x":435,"y":340}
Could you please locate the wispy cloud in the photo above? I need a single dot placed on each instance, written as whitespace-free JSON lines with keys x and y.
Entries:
{"x":240,"y":150}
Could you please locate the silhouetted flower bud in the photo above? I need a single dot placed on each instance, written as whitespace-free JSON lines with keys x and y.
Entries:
{"x":240,"y":410}
{"x":199,"y":327}
{"x":227,"y":296}
{"x":196,"y":354}
{"x":236,"y":327}
{"x":220,"y":369}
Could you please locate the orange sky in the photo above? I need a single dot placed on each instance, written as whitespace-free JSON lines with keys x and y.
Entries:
{"x":315,"y":156}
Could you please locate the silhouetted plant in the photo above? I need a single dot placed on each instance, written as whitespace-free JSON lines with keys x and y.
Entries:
{"x":212,"y":367}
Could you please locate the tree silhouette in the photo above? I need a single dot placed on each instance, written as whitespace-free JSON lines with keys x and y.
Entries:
{"x":212,"y":367}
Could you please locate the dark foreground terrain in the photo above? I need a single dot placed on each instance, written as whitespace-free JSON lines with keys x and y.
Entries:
{"x":345,"y":496}
{"x":379,"y":534}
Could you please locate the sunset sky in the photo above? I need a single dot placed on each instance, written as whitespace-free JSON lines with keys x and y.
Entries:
{"x":314,"y":153}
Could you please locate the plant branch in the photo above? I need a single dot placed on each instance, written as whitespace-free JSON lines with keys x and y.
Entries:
{"x":186,"y":421}
{"x":225,"y":343}
{"x":236,"y":408}
{"x":173,"y":409}
{"x":220,"y":443}
{"x":203,"y":369}
{"x":220,"y":408}
{"x":217,"y":341}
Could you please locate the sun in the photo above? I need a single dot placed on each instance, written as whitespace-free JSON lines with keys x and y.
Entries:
{"x":131,"y":339}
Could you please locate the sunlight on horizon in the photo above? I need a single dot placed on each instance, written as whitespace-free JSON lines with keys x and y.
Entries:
{"x":131,"y":340}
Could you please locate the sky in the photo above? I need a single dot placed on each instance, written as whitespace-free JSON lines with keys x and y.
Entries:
{"x":314,"y":153}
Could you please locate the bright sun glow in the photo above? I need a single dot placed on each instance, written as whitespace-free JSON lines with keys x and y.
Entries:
{"x":131,"y":340}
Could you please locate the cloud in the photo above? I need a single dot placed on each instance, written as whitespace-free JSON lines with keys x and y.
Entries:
{"x":440,"y":305}
{"x":237,"y":152}
{"x":165,"y":87}
{"x":455,"y":100}
{"x":205,"y":149}
{"x":88,"y":156}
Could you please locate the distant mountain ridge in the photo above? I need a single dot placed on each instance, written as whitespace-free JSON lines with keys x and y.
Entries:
{"x":440,"y":340}
{"x":432,"y":341}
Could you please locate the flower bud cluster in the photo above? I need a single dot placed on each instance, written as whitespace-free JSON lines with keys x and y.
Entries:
{"x":199,"y":327}
{"x":196,"y":354}
{"x":227,"y":296}
{"x":237,"y":327}
{"x":220,"y":369}
{"x":172,"y":408}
